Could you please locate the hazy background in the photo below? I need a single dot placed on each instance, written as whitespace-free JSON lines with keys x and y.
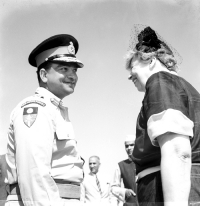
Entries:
{"x":105,"y":105}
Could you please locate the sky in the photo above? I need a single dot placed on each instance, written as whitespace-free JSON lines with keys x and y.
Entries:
{"x":105,"y":105}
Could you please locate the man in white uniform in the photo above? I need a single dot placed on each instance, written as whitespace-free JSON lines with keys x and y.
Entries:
{"x":44,"y":166}
{"x":95,"y":188}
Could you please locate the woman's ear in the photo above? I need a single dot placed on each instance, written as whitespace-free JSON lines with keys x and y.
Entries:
{"x":152,"y":62}
{"x":43,"y":75}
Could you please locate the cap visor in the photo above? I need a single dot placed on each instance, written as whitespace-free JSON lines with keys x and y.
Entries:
{"x":69,"y":60}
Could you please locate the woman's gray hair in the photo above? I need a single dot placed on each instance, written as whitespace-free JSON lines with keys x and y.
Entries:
{"x":161,"y":54}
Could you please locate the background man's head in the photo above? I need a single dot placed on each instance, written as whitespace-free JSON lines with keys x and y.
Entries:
{"x":94,"y":164}
{"x":129,"y":144}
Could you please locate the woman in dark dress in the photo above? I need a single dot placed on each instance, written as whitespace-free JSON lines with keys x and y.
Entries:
{"x":167,"y":146}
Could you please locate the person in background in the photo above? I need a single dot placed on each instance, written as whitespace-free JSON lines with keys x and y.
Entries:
{"x":44,"y":166}
{"x":123,"y":185}
{"x":3,"y":180}
{"x":95,"y":188}
{"x":167,"y":146}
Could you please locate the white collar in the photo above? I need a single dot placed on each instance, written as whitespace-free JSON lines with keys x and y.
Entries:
{"x":46,"y":93}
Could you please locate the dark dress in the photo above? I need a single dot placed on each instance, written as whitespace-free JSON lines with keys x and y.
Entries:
{"x":164,"y":91}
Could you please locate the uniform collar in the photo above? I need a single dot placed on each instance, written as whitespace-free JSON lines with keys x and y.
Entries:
{"x":46,"y":93}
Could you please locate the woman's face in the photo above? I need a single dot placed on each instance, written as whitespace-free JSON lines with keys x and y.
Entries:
{"x":140,"y":72}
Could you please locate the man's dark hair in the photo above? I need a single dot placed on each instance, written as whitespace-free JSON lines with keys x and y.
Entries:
{"x":46,"y":66}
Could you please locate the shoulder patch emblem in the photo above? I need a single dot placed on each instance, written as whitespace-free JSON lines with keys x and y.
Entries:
{"x":33,"y":102}
{"x":30,"y":115}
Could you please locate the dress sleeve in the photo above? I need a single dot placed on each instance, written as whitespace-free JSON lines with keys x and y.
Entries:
{"x":166,"y":107}
{"x":33,"y":144}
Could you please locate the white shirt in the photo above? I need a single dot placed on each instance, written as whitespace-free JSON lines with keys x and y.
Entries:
{"x":90,"y":192}
{"x":117,"y":188}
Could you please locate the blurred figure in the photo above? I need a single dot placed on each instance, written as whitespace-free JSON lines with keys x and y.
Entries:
{"x":3,"y":180}
{"x":95,"y":188}
{"x":123,"y":186}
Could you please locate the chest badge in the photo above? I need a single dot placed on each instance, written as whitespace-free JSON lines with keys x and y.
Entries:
{"x":30,"y":115}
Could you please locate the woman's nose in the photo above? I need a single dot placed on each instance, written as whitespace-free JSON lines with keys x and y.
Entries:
{"x":130,"y":77}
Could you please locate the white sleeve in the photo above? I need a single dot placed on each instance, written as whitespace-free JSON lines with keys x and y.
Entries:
{"x":116,"y":187}
{"x":170,"y":120}
{"x":82,"y":198}
{"x":33,"y":153}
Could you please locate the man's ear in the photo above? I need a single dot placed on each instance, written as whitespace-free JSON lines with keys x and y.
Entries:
{"x":43,"y":75}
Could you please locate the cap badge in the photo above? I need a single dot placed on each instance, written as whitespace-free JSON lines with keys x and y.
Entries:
{"x":71,"y":48}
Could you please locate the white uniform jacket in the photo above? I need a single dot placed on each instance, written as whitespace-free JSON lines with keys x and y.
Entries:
{"x":41,"y":148}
